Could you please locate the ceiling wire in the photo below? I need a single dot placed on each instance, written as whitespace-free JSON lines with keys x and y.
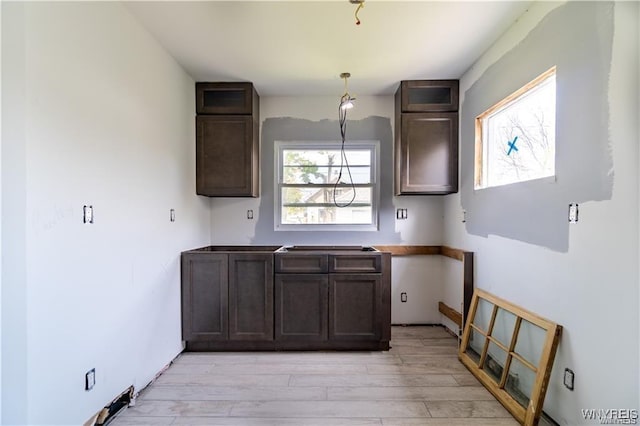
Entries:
{"x":360,"y":6}
{"x":342,"y":119}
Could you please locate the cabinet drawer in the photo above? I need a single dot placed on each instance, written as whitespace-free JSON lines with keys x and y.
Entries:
{"x":226,"y":98}
{"x":429,"y":95}
{"x":302,"y":263}
{"x":362,"y":263}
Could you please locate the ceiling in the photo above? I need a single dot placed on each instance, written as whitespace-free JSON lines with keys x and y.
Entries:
{"x":294,"y":48}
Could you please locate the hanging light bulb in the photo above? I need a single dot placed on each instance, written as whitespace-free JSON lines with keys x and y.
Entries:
{"x":346,"y":101}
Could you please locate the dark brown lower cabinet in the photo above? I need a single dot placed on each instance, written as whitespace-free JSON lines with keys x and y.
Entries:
{"x":239,"y":300}
{"x":250,"y":296}
{"x":301,"y":307}
{"x":227,"y":296}
{"x":204,"y":297}
{"x":355,"y":306}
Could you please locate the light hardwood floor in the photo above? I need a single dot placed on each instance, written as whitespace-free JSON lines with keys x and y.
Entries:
{"x":418,"y":382}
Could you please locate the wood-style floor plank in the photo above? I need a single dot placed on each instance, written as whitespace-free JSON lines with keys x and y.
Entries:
{"x":330,"y":409}
{"x":433,"y":393}
{"x":370,"y":380}
{"x":418,"y":382}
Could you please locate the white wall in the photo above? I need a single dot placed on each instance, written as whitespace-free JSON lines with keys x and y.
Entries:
{"x":0,"y":219}
{"x":419,"y":277}
{"x":592,"y":290}
{"x":108,"y":121}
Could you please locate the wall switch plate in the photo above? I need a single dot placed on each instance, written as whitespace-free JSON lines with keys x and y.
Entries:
{"x":250,"y":214}
{"x":401,"y":213}
{"x":573,"y":213}
{"x":568,"y":378}
{"x":172,"y":215}
{"x":90,"y":379}
{"x":87,"y":214}
{"x":403,"y":297}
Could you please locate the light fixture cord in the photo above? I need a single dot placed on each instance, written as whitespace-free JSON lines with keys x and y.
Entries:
{"x":360,"y":6}
{"x":342,"y":119}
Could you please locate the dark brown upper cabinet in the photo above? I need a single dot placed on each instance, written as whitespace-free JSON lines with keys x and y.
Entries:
{"x":227,"y":141}
{"x":226,"y":98}
{"x":429,"y":95}
{"x":426,"y":137}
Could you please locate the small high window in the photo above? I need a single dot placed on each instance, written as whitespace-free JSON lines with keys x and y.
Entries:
{"x":314,"y":187}
{"x":516,"y":138}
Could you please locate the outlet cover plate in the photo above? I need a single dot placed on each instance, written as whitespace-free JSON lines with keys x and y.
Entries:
{"x":90,"y":379}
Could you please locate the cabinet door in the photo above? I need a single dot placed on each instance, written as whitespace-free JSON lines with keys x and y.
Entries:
{"x":429,"y":95}
{"x":427,"y":154}
{"x":301,"y":307}
{"x":204,"y":297}
{"x":250,"y":296}
{"x":226,"y":156}
{"x":225,"y":98}
{"x":355,"y":307}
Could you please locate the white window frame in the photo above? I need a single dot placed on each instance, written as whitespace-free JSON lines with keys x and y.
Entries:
{"x":481,"y":133}
{"x":280,"y":146}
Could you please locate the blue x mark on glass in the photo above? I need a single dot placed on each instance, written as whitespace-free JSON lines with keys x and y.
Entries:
{"x":512,"y":145}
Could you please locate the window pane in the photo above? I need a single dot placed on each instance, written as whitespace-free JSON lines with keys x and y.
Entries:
{"x":326,"y":157}
{"x":307,"y":174}
{"x":327,"y":215}
{"x":297,"y":174}
{"x":494,"y":362}
{"x":476,"y":345}
{"x":520,"y":382}
{"x":522,"y":138}
{"x":518,"y":138}
{"x":503,"y":327}
{"x":314,"y":195}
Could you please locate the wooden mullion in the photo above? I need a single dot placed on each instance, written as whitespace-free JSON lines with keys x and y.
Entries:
{"x":483,"y":356}
{"x":524,"y":362}
{"x":512,"y":345}
{"x":478,"y":329}
{"x":498,"y":343}
{"x":516,"y":310}
{"x":467,"y":330}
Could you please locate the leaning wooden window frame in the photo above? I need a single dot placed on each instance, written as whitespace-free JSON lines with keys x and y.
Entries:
{"x":528,"y":414}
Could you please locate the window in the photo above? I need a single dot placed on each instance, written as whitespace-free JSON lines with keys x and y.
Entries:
{"x":307,"y":195}
{"x":515,"y":139}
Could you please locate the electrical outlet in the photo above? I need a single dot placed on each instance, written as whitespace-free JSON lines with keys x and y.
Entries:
{"x":90,"y":379}
{"x":87,"y":214}
{"x":573,"y":213}
{"x":172,"y":215}
{"x":568,"y":378}
{"x":249,"y":214}
{"x":401,"y":213}
{"x":403,"y":297}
